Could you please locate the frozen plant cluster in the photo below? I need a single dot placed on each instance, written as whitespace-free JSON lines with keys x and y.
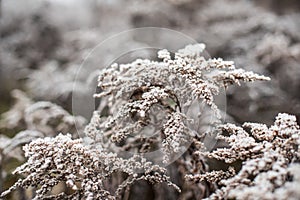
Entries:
{"x":41,"y":49}
{"x":87,"y":172}
{"x":134,"y":96}
{"x":269,"y":159}
{"x":145,"y":96}
{"x":232,"y":29}
{"x":26,"y":121}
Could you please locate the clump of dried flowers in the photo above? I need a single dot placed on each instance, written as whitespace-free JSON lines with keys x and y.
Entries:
{"x":86,"y":171}
{"x":158,"y":94}
{"x":269,"y":160}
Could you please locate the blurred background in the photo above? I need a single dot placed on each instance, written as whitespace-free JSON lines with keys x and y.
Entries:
{"x":43,"y":43}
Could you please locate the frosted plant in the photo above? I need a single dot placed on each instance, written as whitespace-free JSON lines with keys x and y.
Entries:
{"x":269,"y":156}
{"x":270,"y":165}
{"x":137,"y":100}
{"x":26,"y":121}
{"x":11,"y":153}
{"x":14,"y":118}
{"x":8,"y":145}
{"x":159,"y":94}
{"x":232,"y":28}
{"x":87,"y":172}
{"x":42,"y":116}
{"x":51,"y":119}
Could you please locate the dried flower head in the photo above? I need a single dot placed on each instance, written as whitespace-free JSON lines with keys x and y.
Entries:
{"x":159,"y":93}
{"x":267,"y":156}
{"x":144,"y":107}
{"x":87,"y":172}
